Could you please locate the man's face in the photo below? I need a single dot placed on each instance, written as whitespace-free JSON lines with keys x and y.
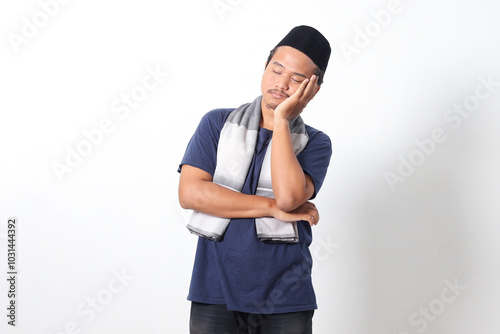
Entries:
{"x":284,"y":74}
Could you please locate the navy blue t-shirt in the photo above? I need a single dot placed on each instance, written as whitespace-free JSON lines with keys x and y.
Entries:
{"x":241,"y":271}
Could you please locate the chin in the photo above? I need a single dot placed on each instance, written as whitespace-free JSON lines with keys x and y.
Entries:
{"x":272,"y":105}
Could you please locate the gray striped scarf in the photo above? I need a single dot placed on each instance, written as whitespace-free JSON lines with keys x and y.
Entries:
{"x":235,"y":152}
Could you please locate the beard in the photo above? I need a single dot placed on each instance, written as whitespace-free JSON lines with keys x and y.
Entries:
{"x":273,"y":103}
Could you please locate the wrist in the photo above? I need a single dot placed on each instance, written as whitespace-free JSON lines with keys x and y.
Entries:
{"x":280,"y":122}
{"x":272,"y":208}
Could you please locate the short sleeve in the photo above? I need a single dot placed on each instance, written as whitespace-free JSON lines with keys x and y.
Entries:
{"x":315,"y":158}
{"x":201,"y":151}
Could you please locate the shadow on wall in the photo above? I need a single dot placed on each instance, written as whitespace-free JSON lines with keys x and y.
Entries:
{"x":416,"y":245}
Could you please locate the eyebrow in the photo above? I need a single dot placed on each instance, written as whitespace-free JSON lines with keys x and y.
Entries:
{"x":299,"y":74}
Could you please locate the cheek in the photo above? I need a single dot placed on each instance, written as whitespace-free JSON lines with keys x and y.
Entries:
{"x":266,"y":81}
{"x":293,"y":88}
{"x":267,"y":77}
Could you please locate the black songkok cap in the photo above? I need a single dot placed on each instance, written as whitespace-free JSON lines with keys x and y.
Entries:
{"x":310,"y":42}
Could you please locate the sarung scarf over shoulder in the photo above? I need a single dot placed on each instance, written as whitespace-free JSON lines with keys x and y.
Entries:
{"x":235,"y":152}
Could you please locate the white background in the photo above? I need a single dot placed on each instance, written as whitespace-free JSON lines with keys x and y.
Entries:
{"x":383,"y":255}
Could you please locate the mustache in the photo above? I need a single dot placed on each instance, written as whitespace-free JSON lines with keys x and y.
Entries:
{"x":279,"y":92}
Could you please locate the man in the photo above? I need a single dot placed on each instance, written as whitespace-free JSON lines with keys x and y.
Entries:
{"x":248,"y":174}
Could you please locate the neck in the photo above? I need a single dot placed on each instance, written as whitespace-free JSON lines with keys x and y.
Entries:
{"x":267,"y":117}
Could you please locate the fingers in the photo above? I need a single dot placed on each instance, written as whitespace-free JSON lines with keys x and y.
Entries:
{"x":311,"y":88}
{"x":302,"y":88}
{"x":311,"y":213}
{"x":306,"y":212}
{"x":306,"y":91}
{"x":308,"y":87}
{"x":314,"y":218}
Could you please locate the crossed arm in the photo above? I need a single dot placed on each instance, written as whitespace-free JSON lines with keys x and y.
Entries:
{"x":198,"y":192}
{"x":292,"y":188}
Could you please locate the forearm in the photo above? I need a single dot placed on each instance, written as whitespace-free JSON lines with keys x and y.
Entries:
{"x":198,"y":192}
{"x":291,"y":187}
{"x":211,"y":198}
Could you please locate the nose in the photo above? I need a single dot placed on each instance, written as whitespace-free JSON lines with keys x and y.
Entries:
{"x":282,"y":83}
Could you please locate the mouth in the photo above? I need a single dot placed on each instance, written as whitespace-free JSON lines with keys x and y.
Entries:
{"x":278,"y":94}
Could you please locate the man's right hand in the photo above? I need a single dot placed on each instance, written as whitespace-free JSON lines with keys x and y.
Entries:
{"x":306,"y":211}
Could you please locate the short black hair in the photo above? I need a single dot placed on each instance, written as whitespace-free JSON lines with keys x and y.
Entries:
{"x":317,"y":71}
